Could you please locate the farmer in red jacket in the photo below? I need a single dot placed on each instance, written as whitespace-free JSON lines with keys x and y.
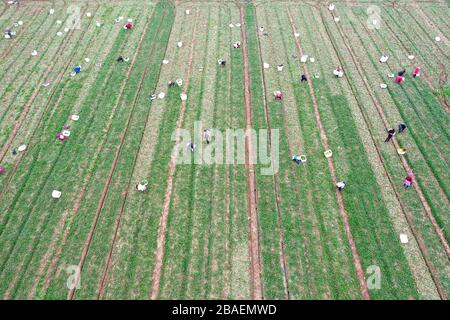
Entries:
{"x":416,"y":72}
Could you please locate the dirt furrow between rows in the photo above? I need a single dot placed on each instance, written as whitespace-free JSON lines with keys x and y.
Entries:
{"x":37,"y":125}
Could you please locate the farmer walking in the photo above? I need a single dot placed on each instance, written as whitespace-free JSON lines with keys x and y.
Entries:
{"x":401,"y":127}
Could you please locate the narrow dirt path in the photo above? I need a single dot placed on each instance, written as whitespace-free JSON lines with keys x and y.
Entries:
{"x":419,"y":240}
{"x":356,"y":258}
{"x":281,"y":241}
{"x":102,"y":284}
{"x":159,"y":254}
{"x":397,"y":146}
{"x":255,"y":264}
{"x":119,"y":147}
{"x":28,"y":105}
{"x":74,"y":211}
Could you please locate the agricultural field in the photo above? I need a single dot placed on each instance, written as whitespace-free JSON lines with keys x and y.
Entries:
{"x":101,"y":196}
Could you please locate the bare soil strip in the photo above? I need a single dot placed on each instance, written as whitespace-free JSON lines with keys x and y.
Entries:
{"x":425,"y":76}
{"x":255,"y":269}
{"x":102,"y":284}
{"x":397,"y":146}
{"x":119,"y":147}
{"x":356,"y":258}
{"x":156,"y":276}
{"x":28,"y":105}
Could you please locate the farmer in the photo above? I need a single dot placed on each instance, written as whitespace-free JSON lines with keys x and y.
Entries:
{"x":401,"y":127}
{"x":304,"y":78}
{"x":128,"y":26}
{"x":171,"y":83}
{"x":296,"y":158}
{"x":401,"y":73}
{"x":207,"y":135}
{"x":221,"y":62}
{"x":340,"y":185}
{"x":278,"y":95}
{"x":237,"y":45}
{"x":1,"y":170}
{"x":120,"y":59}
{"x":399,"y":79}
{"x":391,"y":133}
{"x":14,"y":152}
{"x":416,"y":72}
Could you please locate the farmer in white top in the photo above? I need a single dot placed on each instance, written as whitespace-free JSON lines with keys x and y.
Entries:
{"x":340,"y":185}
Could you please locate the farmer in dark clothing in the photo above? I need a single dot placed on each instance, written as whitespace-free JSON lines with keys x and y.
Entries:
{"x":296,"y":159}
{"x":401,"y":127}
{"x":171,"y":83}
{"x":14,"y":152}
{"x":304,"y":78}
{"x":391,"y":133}
{"x":402,"y":72}
{"x":120,"y":59}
